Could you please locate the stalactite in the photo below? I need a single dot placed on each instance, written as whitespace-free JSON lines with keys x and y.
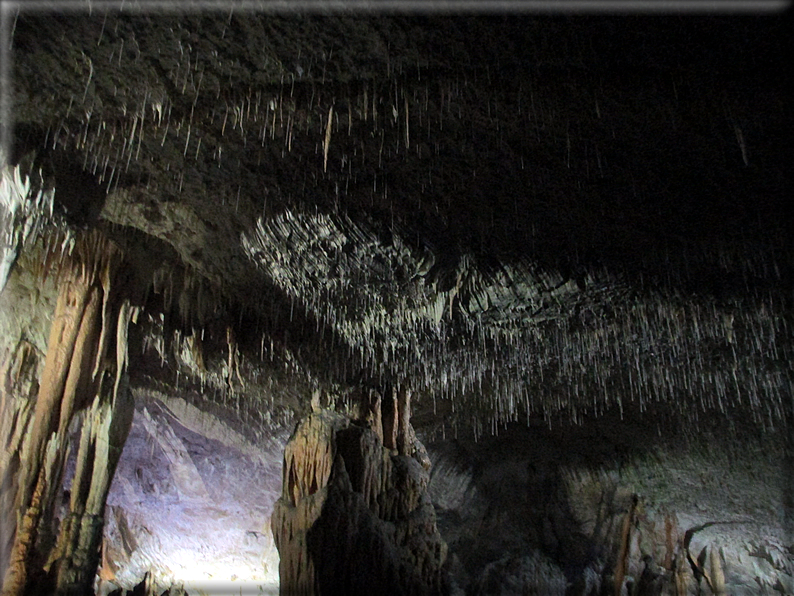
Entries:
{"x":25,"y":208}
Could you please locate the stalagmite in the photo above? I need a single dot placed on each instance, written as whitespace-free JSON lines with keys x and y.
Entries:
{"x":404,"y":440}
{"x":623,"y":552}
{"x":391,"y":421}
{"x":354,"y":516}
{"x":374,"y":416}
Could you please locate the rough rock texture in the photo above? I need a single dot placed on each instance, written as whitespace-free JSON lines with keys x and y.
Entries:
{"x":355,"y":516}
{"x":190,"y":505}
{"x":84,"y":370}
{"x":572,"y":510}
{"x":499,"y":203}
{"x":26,"y":303}
{"x":578,"y":222}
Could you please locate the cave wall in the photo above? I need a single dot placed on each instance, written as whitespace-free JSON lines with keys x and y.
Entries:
{"x":191,"y":500}
{"x":615,"y":507}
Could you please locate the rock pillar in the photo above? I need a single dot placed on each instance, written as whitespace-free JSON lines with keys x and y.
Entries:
{"x":19,"y":378}
{"x":105,"y":428}
{"x":355,"y":516}
{"x":78,"y":373}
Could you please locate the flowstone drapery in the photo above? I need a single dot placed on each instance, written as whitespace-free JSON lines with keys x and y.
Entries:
{"x":83,"y":377}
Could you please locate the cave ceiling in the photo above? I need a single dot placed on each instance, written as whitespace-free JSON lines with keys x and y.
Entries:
{"x":511,"y":215}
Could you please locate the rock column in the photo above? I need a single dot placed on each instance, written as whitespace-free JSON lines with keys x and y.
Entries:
{"x":78,"y":374}
{"x":105,"y":428}
{"x":355,"y":516}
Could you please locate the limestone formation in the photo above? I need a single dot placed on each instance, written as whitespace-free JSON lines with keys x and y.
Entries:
{"x":570,"y":234}
{"x":80,"y":373}
{"x":355,"y":516}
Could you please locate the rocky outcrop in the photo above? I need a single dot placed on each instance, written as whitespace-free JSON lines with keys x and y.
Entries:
{"x":355,"y":515}
{"x":191,"y":501}
{"x":568,"y":511}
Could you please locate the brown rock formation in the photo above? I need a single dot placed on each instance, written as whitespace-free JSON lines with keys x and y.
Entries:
{"x":355,"y":517}
{"x":78,"y":375}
